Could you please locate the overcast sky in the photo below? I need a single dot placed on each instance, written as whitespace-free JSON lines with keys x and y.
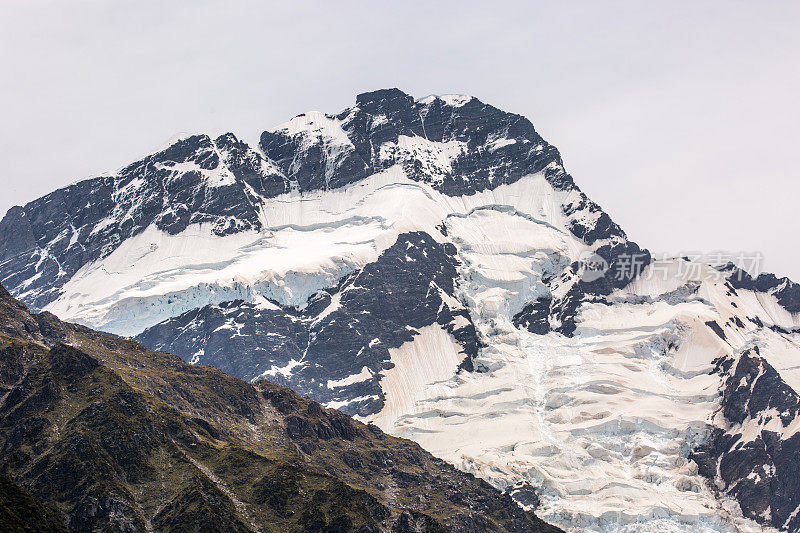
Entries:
{"x":679,"y":118}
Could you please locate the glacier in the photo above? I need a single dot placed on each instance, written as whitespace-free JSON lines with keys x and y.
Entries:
{"x":419,"y":264}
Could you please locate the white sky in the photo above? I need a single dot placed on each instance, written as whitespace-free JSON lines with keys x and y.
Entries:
{"x":679,"y":118}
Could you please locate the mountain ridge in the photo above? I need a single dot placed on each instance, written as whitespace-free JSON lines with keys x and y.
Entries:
{"x":218,"y":181}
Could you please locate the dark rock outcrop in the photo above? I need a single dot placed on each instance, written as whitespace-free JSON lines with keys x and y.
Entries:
{"x":752,"y":461}
{"x":338,"y":333}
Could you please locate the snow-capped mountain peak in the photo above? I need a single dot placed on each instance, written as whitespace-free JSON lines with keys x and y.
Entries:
{"x":430,"y":266}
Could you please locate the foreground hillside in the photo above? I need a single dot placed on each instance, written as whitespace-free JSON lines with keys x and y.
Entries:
{"x":101,"y":434}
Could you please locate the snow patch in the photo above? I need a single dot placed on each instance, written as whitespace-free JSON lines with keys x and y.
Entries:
{"x":435,"y":159}
{"x":363,"y":375}
{"x":419,"y":365}
{"x":455,"y":100}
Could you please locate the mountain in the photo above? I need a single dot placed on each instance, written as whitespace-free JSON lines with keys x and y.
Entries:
{"x":114,"y":437}
{"x":429,"y":266}
{"x":21,"y":512}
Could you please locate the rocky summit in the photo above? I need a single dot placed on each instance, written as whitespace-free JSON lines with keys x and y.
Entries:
{"x":428,"y":266}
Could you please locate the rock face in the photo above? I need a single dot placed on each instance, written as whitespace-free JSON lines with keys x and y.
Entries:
{"x":483,"y":147}
{"x":755,"y":457}
{"x":113,"y":437}
{"x":379,"y":307}
{"x":785,"y":290}
{"x":428,"y":265}
{"x":193,"y":180}
{"x":19,"y":511}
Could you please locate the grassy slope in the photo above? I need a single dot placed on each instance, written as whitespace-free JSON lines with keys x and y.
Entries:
{"x":22,"y":513}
